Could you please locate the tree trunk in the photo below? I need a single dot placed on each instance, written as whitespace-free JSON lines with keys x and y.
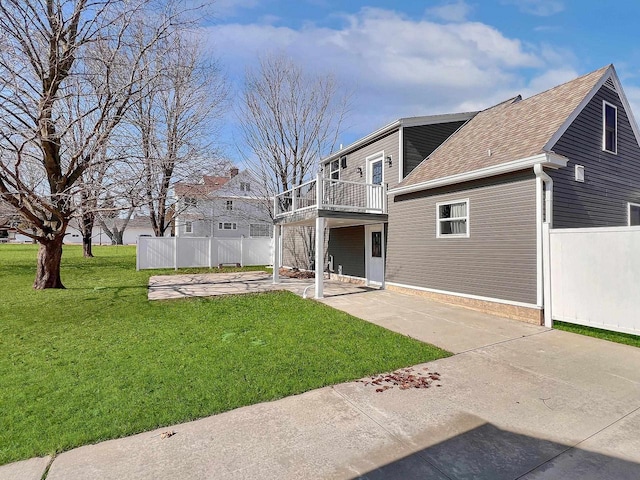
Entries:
{"x":86,"y":246}
{"x":117,"y":236}
{"x":48,"y":271}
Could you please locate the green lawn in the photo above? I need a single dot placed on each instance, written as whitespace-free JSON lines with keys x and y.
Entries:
{"x":98,"y":361}
{"x":625,"y":338}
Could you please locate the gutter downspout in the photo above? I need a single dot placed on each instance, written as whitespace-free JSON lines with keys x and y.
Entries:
{"x":544,"y":221}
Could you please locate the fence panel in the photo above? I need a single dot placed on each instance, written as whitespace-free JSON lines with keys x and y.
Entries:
{"x":229,"y":250}
{"x":193,"y":252}
{"x":257,"y":251}
{"x":161,"y":252}
{"x":595,"y":277}
{"x":155,"y":252}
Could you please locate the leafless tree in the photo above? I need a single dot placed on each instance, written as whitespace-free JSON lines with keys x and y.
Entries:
{"x":289,"y":120}
{"x":172,"y":124}
{"x":50,"y":51}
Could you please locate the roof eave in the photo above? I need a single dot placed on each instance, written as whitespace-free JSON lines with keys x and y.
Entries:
{"x":549,"y":159}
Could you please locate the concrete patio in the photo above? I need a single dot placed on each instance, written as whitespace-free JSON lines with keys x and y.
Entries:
{"x":167,"y":287}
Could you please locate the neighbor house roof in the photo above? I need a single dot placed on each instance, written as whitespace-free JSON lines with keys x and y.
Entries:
{"x":512,"y":130}
{"x":209,"y":185}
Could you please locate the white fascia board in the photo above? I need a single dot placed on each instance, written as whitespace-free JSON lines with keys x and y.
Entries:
{"x":551,"y":160}
{"x":404,"y":122}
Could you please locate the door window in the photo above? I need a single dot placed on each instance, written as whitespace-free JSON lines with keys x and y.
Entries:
{"x":376,"y":244}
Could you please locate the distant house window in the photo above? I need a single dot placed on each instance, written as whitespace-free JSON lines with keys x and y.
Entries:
{"x":452,"y":219}
{"x":190,"y":202}
{"x":634,"y":214}
{"x":334,"y":170}
{"x":227,"y":226}
{"x":229,"y":205}
{"x":245,"y":187}
{"x":188,"y":227}
{"x":259,"y":230}
{"x":610,"y":128}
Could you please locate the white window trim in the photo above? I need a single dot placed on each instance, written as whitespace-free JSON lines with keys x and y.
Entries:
{"x":228,"y":205}
{"x":604,"y":127}
{"x":234,"y":226}
{"x":369,"y":161}
{"x":629,"y":205}
{"x":467,"y":218}
{"x":332,"y":171}
{"x":188,"y":227}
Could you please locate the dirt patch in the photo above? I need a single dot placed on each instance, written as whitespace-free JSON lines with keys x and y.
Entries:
{"x":404,"y":379}
{"x":296,"y":273}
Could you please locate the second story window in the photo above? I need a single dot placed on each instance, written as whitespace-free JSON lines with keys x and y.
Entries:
{"x":245,"y":187}
{"x":334,"y":170}
{"x":190,"y":202}
{"x":188,"y":227}
{"x":229,"y":205}
{"x":610,"y":128}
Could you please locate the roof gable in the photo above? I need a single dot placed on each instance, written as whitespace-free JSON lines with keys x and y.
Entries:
{"x":512,"y":130}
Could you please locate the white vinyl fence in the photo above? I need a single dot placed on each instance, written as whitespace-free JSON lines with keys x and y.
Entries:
{"x":593,"y":277}
{"x":181,"y":252}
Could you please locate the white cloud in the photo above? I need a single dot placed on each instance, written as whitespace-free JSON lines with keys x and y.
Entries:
{"x":451,"y":12}
{"x":541,"y":8}
{"x":400,"y":66}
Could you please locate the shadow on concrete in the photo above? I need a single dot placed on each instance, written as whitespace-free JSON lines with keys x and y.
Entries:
{"x":488,"y":452}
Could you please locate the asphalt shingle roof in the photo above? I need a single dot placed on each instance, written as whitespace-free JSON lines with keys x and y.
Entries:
{"x":512,"y":130}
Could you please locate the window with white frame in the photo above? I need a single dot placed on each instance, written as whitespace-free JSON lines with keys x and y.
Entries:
{"x":190,"y":202}
{"x":609,"y":127}
{"x":188,"y":227}
{"x":245,"y":187}
{"x":452,"y":219}
{"x":227,"y":226}
{"x":633,"y":214}
{"x":259,"y":230}
{"x":334,"y":169}
{"x":229,"y":205}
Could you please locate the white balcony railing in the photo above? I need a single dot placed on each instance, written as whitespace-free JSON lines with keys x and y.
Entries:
{"x":327,"y":194}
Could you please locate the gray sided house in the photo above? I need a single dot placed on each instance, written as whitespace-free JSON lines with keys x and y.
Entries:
{"x":465,"y":223}
{"x":223,"y":207}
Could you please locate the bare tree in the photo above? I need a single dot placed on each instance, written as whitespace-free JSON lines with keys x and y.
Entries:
{"x":51,"y":51}
{"x":289,"y":120}
{"x":173,"y":122}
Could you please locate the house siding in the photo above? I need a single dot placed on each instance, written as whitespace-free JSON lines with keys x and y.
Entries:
{"x":418,"y":142}
{"x":347,"y":247}
{"x":357,"y":158}
{"x":610,"y":180}
{"x":498,"y":260}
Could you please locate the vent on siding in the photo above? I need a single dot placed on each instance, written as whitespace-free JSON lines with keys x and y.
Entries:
{"x":609,"y":84}
{"x":579,"y":173}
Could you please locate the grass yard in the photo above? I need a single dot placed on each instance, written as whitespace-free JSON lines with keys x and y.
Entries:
{"x":99,"y":361}
{"x":625,"y":338}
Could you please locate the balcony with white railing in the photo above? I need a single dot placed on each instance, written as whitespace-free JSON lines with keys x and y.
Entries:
{"x":332,"y":195}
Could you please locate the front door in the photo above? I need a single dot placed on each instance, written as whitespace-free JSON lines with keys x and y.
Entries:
{"x":374,"y":244}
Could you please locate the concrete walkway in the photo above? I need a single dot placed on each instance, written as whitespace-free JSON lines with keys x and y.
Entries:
{"x":517,"y":401}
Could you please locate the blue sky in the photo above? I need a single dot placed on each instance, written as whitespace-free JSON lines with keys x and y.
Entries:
{"x":408,"y":58}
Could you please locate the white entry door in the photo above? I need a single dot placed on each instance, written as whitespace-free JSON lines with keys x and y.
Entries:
{"x":374,"y":244}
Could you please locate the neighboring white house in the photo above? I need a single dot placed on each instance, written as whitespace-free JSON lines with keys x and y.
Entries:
{"x":138,"y":226}
{"x":222,"y":207}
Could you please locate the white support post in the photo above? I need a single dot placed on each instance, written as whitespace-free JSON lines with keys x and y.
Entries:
{"x":294,"y":202}
{"x":175,"y":252}
{"x":320,"y":222}
{"x":546,"y":255}
{"x":276,"y":253}
{"x":384,"y":197}
{"x":319,"y":190}
{"x":210,"y":252}
{"x":242,"y":251}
